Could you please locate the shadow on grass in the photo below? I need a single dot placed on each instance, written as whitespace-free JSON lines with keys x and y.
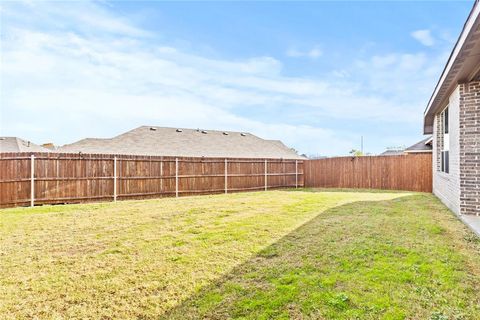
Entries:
{"x":381,"y":259}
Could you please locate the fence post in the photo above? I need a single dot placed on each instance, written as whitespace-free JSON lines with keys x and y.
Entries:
{"x":176,"y":177}
{"x":114,"y":179}
{"x":226,"y":176}
{"x":296,"y":174}
{"x":266,"y":175}
{"x":32,"y":180}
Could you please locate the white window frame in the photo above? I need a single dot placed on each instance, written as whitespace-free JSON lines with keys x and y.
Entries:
{"x":445,"y":152}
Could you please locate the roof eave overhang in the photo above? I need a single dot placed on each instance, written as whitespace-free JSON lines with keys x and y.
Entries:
{"x":462,"y":66}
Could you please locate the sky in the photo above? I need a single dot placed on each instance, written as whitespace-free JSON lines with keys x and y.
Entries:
{"x":316,"y":75}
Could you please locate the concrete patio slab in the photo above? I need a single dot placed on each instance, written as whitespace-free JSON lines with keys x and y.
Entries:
{"x":473,"y":222}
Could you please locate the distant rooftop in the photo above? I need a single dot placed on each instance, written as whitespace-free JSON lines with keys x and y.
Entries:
{"x":15,"y":144}
{"x":393,"y":152}
{"x":161,"y":141}
{"x":422,"y":146}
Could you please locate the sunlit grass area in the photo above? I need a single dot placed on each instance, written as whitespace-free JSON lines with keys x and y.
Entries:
{"x":337,"y":254}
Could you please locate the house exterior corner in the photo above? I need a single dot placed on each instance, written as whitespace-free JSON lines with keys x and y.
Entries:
{"x":453,"y":117}
{"x":456,"y":150}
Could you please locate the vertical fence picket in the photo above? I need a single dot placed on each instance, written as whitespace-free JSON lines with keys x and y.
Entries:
{"x":266,"y":180}
{"x":115,"y":179}
{"x":226,"y":176}
{"x":296,"y":174}
{"x":176,"y":177}
{"x":32,"y":180}
{"x":161,"y":175}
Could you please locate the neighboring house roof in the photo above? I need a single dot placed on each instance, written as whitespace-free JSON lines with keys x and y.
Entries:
{"x":422,"y":146}
{"x":391,"y":153}
{"x":463,"y":65}
{"x":14,"y":144}
{"x":160,"y":141}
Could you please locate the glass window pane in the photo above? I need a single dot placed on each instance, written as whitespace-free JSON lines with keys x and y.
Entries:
{"x":446,"y":120}
{"x":447,"y":160}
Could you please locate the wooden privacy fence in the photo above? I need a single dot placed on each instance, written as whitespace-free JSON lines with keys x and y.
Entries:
{"x":49,"y":178}
{"x":411,"y":172}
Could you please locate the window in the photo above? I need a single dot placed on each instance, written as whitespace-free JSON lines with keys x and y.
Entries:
{"x":445,"y":161}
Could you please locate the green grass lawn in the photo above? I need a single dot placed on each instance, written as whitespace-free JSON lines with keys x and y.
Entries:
{"x":337,"y":254}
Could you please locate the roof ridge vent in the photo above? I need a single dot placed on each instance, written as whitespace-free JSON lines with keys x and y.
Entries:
{"x":225,"y":133}
{"x":153,"y":129}
{"x":179,"y":130}
{"x":243,"y":134}
{"x":204,"y":131}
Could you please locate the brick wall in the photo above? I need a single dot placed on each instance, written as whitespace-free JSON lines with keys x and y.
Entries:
{"x":470,"y":148}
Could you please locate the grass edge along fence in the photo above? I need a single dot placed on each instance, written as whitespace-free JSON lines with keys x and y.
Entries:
{"x":54,"y":178}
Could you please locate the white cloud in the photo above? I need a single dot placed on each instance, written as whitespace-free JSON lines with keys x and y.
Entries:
{"x":312,"y":53}
{"x":103,"y":78}
{"x":424,"y":36}
{"x":86,"y":17}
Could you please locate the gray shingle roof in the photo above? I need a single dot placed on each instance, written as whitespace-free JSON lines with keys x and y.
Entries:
{"x":14,"y":144}
{"x":392,"y":153}
{"x":422,"y":146}
{"x":161,"y":141}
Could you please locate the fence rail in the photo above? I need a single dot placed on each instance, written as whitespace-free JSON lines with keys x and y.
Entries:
{"x":49,"y":178}
{"x":411,"y":172}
